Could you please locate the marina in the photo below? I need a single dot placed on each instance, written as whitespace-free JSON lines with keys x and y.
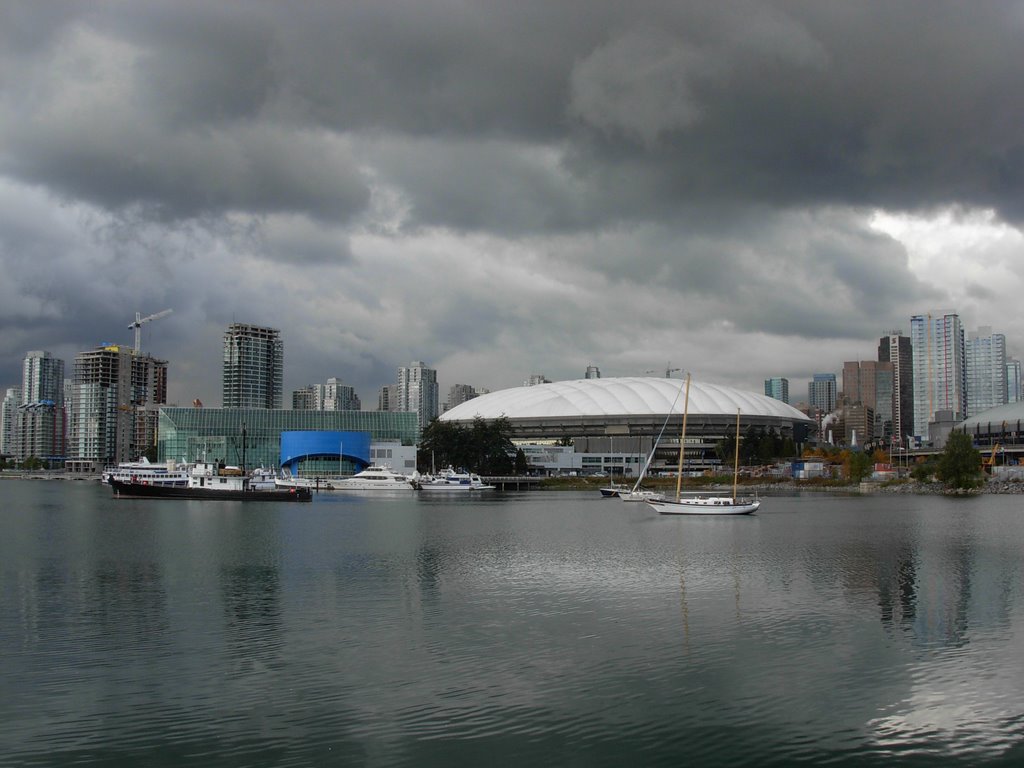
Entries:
{"x":513,"y":628}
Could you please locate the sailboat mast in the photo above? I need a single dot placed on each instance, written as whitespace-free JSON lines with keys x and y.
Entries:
{"x":682,"y":439}
{"x":736,"y":459}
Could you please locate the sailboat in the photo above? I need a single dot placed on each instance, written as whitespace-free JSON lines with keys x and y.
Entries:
{"x":701,"y":504}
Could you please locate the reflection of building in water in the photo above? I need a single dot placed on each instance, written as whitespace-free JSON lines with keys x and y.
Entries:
{"x":938,"y":594}
{"x":897,"y":597}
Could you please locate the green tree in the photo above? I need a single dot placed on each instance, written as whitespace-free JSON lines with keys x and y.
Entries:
{"x":960,"y":463}
{"x":522,"y":466}
{"x":485,"y":447}
{"x":858,"y":466}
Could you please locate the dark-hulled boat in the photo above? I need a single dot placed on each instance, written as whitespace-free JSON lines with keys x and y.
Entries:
{"x":213,"y":482}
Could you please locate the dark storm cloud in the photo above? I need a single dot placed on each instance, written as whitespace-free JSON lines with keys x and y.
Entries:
{"x":234,"y":106}
{"x":298,"y":165}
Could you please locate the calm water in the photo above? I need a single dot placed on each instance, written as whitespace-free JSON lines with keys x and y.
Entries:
{"x":530,"y":628}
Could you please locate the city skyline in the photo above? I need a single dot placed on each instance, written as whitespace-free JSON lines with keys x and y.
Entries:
{"x":510,"y":191}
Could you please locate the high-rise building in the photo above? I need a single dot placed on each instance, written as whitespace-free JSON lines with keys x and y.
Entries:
{"x":870,"y":384}
{"x":895,"y":348}
{"x":460,"y":393}
{"x":39,"y":424}
{"x":387,"y":398}
{"x":937,"y":342}
{"x":339,"y":397}
{"x":417,"y":391}
{"x":332,"y":396}
{"x":9,"y":419}
{"x":1014,"y":393}
{"x":821,"y":392}
{"x":253,"y":367}
{"x":305,"y":399}
{"x":593,"y":372}
{"x":985,"y":366}
{"x":777,"y":388}
{"x":149,"y":393}
{"x":101,"y":430}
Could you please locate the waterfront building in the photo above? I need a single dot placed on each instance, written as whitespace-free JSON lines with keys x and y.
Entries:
{"x":895,"y":348}
{"x":8,"y":420}
{"x":821,"y":393}
{"x":254,"y":436}
{"x":102,"y":424}
{"x":777,"y":388}
{"x":39,"y":423}
{"x":594,"y":413}
{"x":937,"y":343}
{"x":985,"y":370}
{"x":149,"y":392}
{"x":418,"y":392}
{"x":253,"y":372}
{"x":1013,"y":382}
{"x":869,"y":384}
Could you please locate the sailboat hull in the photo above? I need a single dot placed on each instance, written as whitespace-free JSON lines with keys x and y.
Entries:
{"x":706,"y":505}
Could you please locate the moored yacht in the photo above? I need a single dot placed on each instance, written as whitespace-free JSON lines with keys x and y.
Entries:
{"x":373,"y":478}
{"x":450,"y":480}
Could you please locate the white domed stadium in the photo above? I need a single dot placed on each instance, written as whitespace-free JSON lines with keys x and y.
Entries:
{"x":636,"y":406}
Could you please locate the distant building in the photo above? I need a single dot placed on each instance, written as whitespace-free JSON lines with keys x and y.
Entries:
{"x":821,"y":392}
{"x":593,"y":372}
{"x":1013,"y":383}
{"x":387,"y":398}
{"x":8,"y":419}
{"x":895,"y":348}
{"x":535,"y":379}
{"x":459,"y":394}
{"x":418,"y":392}
{"x":253,"y":367}
{"x":869,"y":384}
{"x":937,"y":341}
{"x":39,"y":424}
{"x":332,"y":396}
{"x":777,"y":388}
{"x":985,"y":370}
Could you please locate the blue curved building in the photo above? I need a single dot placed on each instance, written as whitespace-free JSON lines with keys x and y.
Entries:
{"x":309,"y":447}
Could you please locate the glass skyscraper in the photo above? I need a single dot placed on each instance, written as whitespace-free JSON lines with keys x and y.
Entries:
{"x":940,"y":384}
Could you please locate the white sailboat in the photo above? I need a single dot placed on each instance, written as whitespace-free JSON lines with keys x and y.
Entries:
{"x":702,"y":504}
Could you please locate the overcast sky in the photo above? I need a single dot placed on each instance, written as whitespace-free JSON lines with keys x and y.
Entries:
{"x":741,"y":190}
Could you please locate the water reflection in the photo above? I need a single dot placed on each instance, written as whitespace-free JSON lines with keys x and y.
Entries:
{"x":547,"y":628}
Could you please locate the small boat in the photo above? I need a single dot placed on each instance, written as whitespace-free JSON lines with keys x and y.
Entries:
{"x":373,"y":478}
{"x":211,"y":481}
{"x":168,"y":473}
{"x":641,"y":495}
{"x":451,"y":481}
{"x":614,"y":490}
{"x":701,"y":504}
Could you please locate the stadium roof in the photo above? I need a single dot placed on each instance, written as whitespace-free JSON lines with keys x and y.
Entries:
{"x":619,"y":397}
{"x":1009,"y":413}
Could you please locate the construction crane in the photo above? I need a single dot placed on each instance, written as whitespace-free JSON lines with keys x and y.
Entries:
{"x":139,"y":320}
